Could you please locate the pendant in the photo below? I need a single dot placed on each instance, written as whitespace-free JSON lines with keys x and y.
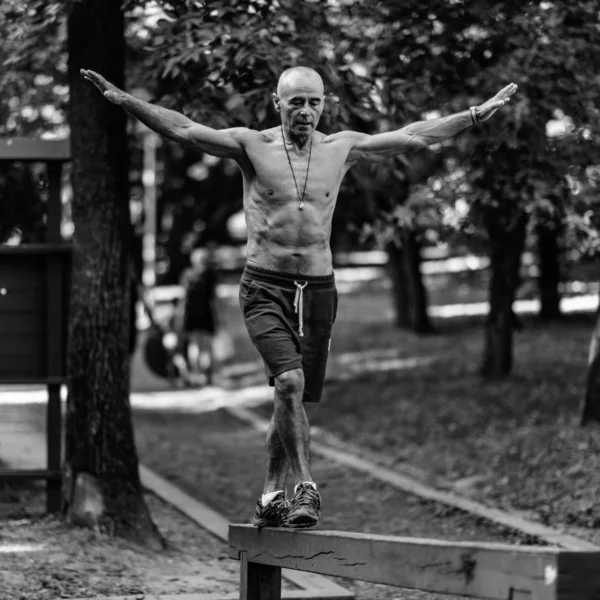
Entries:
{"x":301,"y":205}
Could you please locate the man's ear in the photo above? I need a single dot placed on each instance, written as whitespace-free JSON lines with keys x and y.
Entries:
{"x":276,"y":102}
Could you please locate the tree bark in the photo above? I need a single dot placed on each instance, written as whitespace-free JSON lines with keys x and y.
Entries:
{"x":400,"y":289}
{"x":102,"y":484}
{"x":408,"y":290}
{"x":549,"y":277}
{"x":506,"y":249}
{"x":591,"y":405}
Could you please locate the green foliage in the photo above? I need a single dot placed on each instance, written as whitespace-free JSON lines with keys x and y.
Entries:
{"x":449,"y":55}
{"x":33,"y":79}
{"x":220,"y":60}
{"x":384,"y":64}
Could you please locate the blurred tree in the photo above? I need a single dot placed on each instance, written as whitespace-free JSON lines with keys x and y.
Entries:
{"x":21,"y":213}
{"x":456,"y":54}
{"x":33,"y":94}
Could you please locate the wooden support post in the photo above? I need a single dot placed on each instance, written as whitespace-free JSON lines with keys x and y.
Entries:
{"x":259,"y":582}
{"x":54,"y":441}
{"x":55,"y":359}
{"x":54,"y":214}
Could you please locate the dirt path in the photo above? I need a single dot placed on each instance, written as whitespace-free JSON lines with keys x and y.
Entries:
{"x":43,"y":558}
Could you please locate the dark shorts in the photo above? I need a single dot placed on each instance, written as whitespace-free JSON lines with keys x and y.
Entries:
{"x":284,"y":342}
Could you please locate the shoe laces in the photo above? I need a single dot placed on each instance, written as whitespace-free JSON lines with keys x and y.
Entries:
{"x":306,"y":495}
{"x":280,"y":501}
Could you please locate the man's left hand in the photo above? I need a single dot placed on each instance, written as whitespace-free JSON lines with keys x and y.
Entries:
{"x":487,"y":109}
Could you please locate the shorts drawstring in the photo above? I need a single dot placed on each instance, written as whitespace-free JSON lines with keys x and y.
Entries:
{"x":299,"y":305}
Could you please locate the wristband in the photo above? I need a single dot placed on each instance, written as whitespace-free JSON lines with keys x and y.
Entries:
{"x":474,"y":115}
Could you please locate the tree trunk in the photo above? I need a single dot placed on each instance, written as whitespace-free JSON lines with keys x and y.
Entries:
{"x":505,"y":261}
{"x":408,"y":290}
{"x":591,"y":406}
{"x":102,"y":483}
{"x":549,"y":277}
{"x":400,"y":292}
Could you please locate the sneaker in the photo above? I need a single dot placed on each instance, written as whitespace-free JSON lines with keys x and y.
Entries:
{"x":305,"y":507}
{"x":273,"y":514}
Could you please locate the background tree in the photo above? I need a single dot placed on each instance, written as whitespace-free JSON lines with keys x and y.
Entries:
{"x":455,"y":55}
{"x":100,"y":449}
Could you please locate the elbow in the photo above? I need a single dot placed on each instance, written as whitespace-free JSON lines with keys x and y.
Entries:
{"x":419,"y":142}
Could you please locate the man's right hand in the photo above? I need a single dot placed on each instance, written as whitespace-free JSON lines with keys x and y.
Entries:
{"x":108,"y":90}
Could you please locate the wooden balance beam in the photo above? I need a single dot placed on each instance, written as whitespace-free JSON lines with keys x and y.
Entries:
{"x":478,"y":570}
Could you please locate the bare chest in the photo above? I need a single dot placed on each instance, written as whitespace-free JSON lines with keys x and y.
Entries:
{"x":281,"y":176}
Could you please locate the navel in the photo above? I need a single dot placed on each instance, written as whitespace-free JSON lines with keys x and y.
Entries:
{"x":327,"y":194}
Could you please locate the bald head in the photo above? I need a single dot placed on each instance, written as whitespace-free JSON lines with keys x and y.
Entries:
{"x":299,"y":100}
{"x":299,"y":77}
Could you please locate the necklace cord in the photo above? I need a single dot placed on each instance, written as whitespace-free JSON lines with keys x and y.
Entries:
{"x":300,"y":199}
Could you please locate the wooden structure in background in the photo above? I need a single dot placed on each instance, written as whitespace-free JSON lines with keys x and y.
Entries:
{"x":34,"y":294}
{"x":473,"y":569}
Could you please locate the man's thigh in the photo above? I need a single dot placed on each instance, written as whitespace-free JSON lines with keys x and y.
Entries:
{"x":269,"y":328}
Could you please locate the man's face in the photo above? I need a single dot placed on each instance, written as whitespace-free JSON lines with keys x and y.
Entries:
{"x":300,"y":103}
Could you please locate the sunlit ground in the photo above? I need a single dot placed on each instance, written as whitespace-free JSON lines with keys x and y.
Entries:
{"x":210,"y":398}
{"x":6,"y":548}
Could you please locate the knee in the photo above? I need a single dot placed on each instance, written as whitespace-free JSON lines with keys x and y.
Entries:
{"x":290,"y":385}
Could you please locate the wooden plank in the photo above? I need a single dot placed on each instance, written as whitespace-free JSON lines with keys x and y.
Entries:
{"x":20,"y":346}
{"x":259,"y":582}
{"x":55,"y":317}
{"x":18,"y":276}
{"x":19,"y":474}
{"x":578,"y":576}
{"x":286,"y":595}
{"x":20,"y":300}
{"x":34,"y":149}
{"x":218,"y":525}
{"x":480,"y":570}
{"x":27,"y":381}
{"x":413,"y":486}
{"x":28,"y":249}
{"x":21,"y":324}
{"x":53,"y":448}
{"x":20,"y":368}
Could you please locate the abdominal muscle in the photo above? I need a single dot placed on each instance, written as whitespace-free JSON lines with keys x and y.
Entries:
{"x":290,"y":240}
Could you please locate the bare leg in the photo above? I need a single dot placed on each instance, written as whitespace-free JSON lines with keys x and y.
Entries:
{"x":277,"y":461}
{"x":291,"y":423}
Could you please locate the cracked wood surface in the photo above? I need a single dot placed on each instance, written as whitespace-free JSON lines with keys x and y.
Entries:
{"x":479,"y":570}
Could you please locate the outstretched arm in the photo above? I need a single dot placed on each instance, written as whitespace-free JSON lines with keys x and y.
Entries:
{"x":424,"y":133}
{"x":171,"y":124}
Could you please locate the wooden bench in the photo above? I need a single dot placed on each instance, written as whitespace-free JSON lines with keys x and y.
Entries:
{"x":473,"y":569}
{"x":34,"y":305}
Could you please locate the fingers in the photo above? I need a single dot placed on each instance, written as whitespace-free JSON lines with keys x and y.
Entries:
{"x":508,"y":91}
{"x":94,"y":78}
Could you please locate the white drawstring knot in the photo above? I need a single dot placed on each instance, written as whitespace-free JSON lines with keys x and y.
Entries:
{"x":299,"y":304}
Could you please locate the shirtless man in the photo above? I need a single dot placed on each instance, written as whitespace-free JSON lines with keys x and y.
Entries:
{"x":292,"y":174}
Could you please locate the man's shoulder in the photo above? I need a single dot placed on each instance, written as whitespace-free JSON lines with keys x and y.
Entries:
{"x":345,"y":135}
{"x":247,"y":135}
